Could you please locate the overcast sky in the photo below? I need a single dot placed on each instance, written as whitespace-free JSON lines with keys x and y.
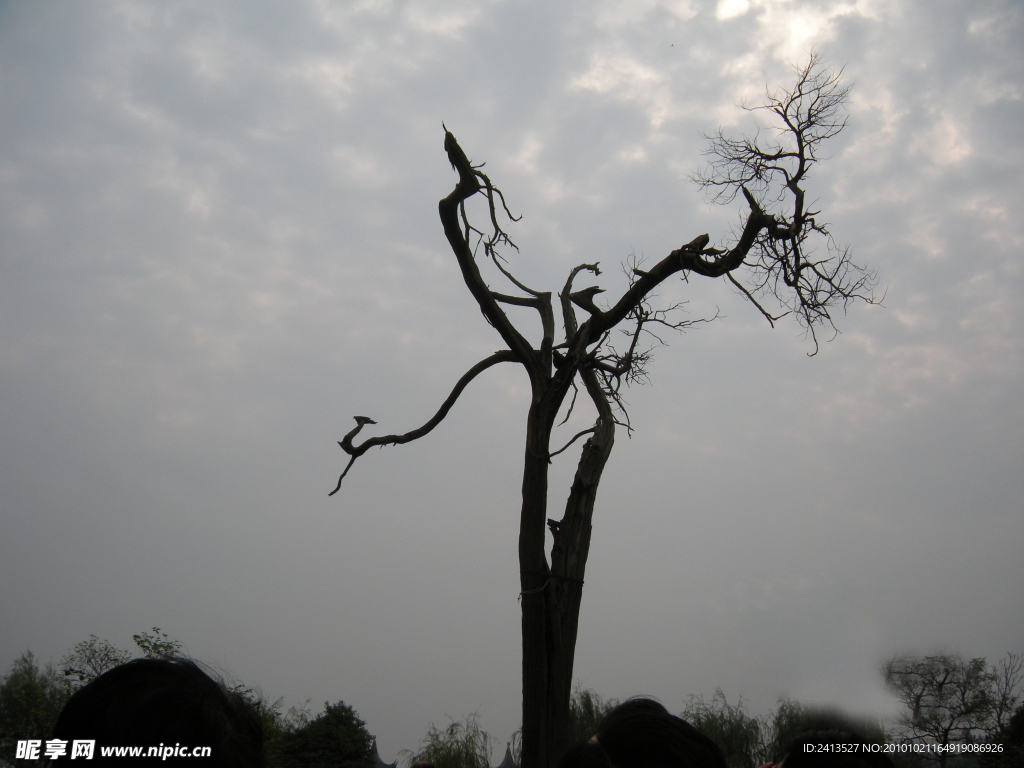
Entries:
{"x":220,"y":242}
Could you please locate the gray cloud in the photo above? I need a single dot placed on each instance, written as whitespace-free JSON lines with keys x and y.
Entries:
{"x":221,"y":242}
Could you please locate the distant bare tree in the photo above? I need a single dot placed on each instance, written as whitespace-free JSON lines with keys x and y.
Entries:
{"x":773,"y":257}
{"x":1008,"y":676}
{"x":951,"y":700}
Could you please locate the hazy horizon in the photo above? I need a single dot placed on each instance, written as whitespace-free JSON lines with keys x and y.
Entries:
{"x":221,"y":243}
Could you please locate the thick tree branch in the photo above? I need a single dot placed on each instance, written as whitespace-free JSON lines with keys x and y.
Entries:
{"x":355,"y":451}
{"x":568,"y":314}
{"x":470,"y":182}
{"x":692,"y":257}
{"x":519,"y":301}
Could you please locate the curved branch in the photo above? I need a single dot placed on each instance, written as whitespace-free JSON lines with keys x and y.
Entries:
{"x":568,"y":315}
{"x":511,"y":278}
{"x":689,"y":257}
{"x":564,"y":447}
{"x":449,"y":209}
{"x":343,"y":473}
{"x":355,"y":451}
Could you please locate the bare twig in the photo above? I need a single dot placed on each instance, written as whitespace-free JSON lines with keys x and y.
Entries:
{"x":574,"y":439}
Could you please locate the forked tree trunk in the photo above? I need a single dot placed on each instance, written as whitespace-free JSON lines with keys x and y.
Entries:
{"x":551,"y":595}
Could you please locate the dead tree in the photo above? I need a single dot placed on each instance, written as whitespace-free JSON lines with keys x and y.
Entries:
{"x":774,"y":254}
{"x":950,"y":700}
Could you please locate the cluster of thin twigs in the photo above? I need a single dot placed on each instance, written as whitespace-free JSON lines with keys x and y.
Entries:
{"x":770,"y":173}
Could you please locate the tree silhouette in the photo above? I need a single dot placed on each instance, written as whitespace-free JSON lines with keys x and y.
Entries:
{"x":948,"y":699}
{"x":774,"y":251}
{"x":337,"y":738}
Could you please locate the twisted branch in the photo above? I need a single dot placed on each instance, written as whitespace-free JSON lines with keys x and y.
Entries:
{"x":355,"y":451}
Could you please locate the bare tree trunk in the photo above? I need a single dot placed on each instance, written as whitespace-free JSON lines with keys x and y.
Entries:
{"x":551,"y":597}
{"x":533,"y":580}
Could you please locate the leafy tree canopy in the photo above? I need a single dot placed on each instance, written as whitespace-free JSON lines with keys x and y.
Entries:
{"x":336,"y":739}
{"x":91,"y":658}
{"x":586,"y":709}
{"x":157,"y":645}
{"x":740,"y":736}
{"x":30,"y":700}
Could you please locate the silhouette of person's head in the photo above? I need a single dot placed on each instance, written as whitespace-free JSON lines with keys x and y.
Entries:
{"x":640,"y":733}
{"x":167,"y":703}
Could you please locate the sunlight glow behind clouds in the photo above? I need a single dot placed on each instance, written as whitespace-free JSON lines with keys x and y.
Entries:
{"x":788,"y":29}
{"x":730,"y":9}
{"x":628,"y":80}
{"x":221,"y":242}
